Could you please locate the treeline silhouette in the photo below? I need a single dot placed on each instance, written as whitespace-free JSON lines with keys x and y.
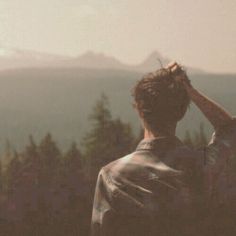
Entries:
{"x":45,"y":192}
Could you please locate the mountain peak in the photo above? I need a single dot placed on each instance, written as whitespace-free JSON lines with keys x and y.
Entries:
{"x":12,"y":58}
{"x":154,"y":54}
{"x":154,"y":58}
{"x":152,"y":62}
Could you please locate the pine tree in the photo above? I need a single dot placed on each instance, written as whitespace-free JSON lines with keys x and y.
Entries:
{"x":72,"y":168}
{"x":50,"y":157}
{"x":8,"y":154}
{"x":107,"y":140}
{"x":73,"y":158}
{"x":31,"y":164}
{"x":31,"y":150}
{"x":13,"y":174}
{"x":49,"y":151}
{"x":122,"y":138}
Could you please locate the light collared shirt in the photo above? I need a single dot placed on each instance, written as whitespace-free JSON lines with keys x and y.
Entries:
{"x":163,"y":187}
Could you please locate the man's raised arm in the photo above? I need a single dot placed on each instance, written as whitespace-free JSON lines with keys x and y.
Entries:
{"x":223,"y":142}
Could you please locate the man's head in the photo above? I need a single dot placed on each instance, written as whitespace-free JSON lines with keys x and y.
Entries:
{"x":160,"y":100}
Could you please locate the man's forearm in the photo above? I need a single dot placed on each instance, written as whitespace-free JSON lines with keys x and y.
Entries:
{"x":216,"y":115}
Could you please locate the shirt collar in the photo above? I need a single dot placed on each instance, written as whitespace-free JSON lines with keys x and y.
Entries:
{"x":159,"y":143}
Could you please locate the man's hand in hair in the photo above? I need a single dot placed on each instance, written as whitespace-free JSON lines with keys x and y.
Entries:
{"x":178,"y":73}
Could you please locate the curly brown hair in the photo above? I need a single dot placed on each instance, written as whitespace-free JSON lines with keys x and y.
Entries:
{"x":161,"y":99}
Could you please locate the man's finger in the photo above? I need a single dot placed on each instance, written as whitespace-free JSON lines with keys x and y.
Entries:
{"x":171,"y":65}
{"x":175,"y":68}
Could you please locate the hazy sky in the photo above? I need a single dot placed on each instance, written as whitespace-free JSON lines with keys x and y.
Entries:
{"x":201,"y":33}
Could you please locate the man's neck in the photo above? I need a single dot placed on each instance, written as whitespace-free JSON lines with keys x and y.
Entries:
{"x":150,"y":134}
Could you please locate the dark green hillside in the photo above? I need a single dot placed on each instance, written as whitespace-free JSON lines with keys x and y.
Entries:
{"x":35,"y":101}
{"x":58,"y":100}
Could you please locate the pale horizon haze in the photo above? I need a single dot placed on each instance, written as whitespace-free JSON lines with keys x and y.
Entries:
{"x":197,"y":33}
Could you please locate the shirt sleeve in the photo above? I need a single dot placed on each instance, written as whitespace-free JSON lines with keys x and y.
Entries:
{"x":101,"y":206}
{"x":115,"y":206}
{"x":216,"y":154}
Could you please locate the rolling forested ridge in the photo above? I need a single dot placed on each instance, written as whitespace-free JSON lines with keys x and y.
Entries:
{"x":59,"y":126}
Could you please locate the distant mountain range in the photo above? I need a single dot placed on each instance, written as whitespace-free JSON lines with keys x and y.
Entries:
{"x":11,"y":58}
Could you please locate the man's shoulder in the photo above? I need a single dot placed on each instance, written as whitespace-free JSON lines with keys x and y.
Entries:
{"x":130,"y":166}
{"x":140,"y":165}
{"x":119,"y":164}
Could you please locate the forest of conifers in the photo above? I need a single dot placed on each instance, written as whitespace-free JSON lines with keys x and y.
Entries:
{"x":47,"y":192}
